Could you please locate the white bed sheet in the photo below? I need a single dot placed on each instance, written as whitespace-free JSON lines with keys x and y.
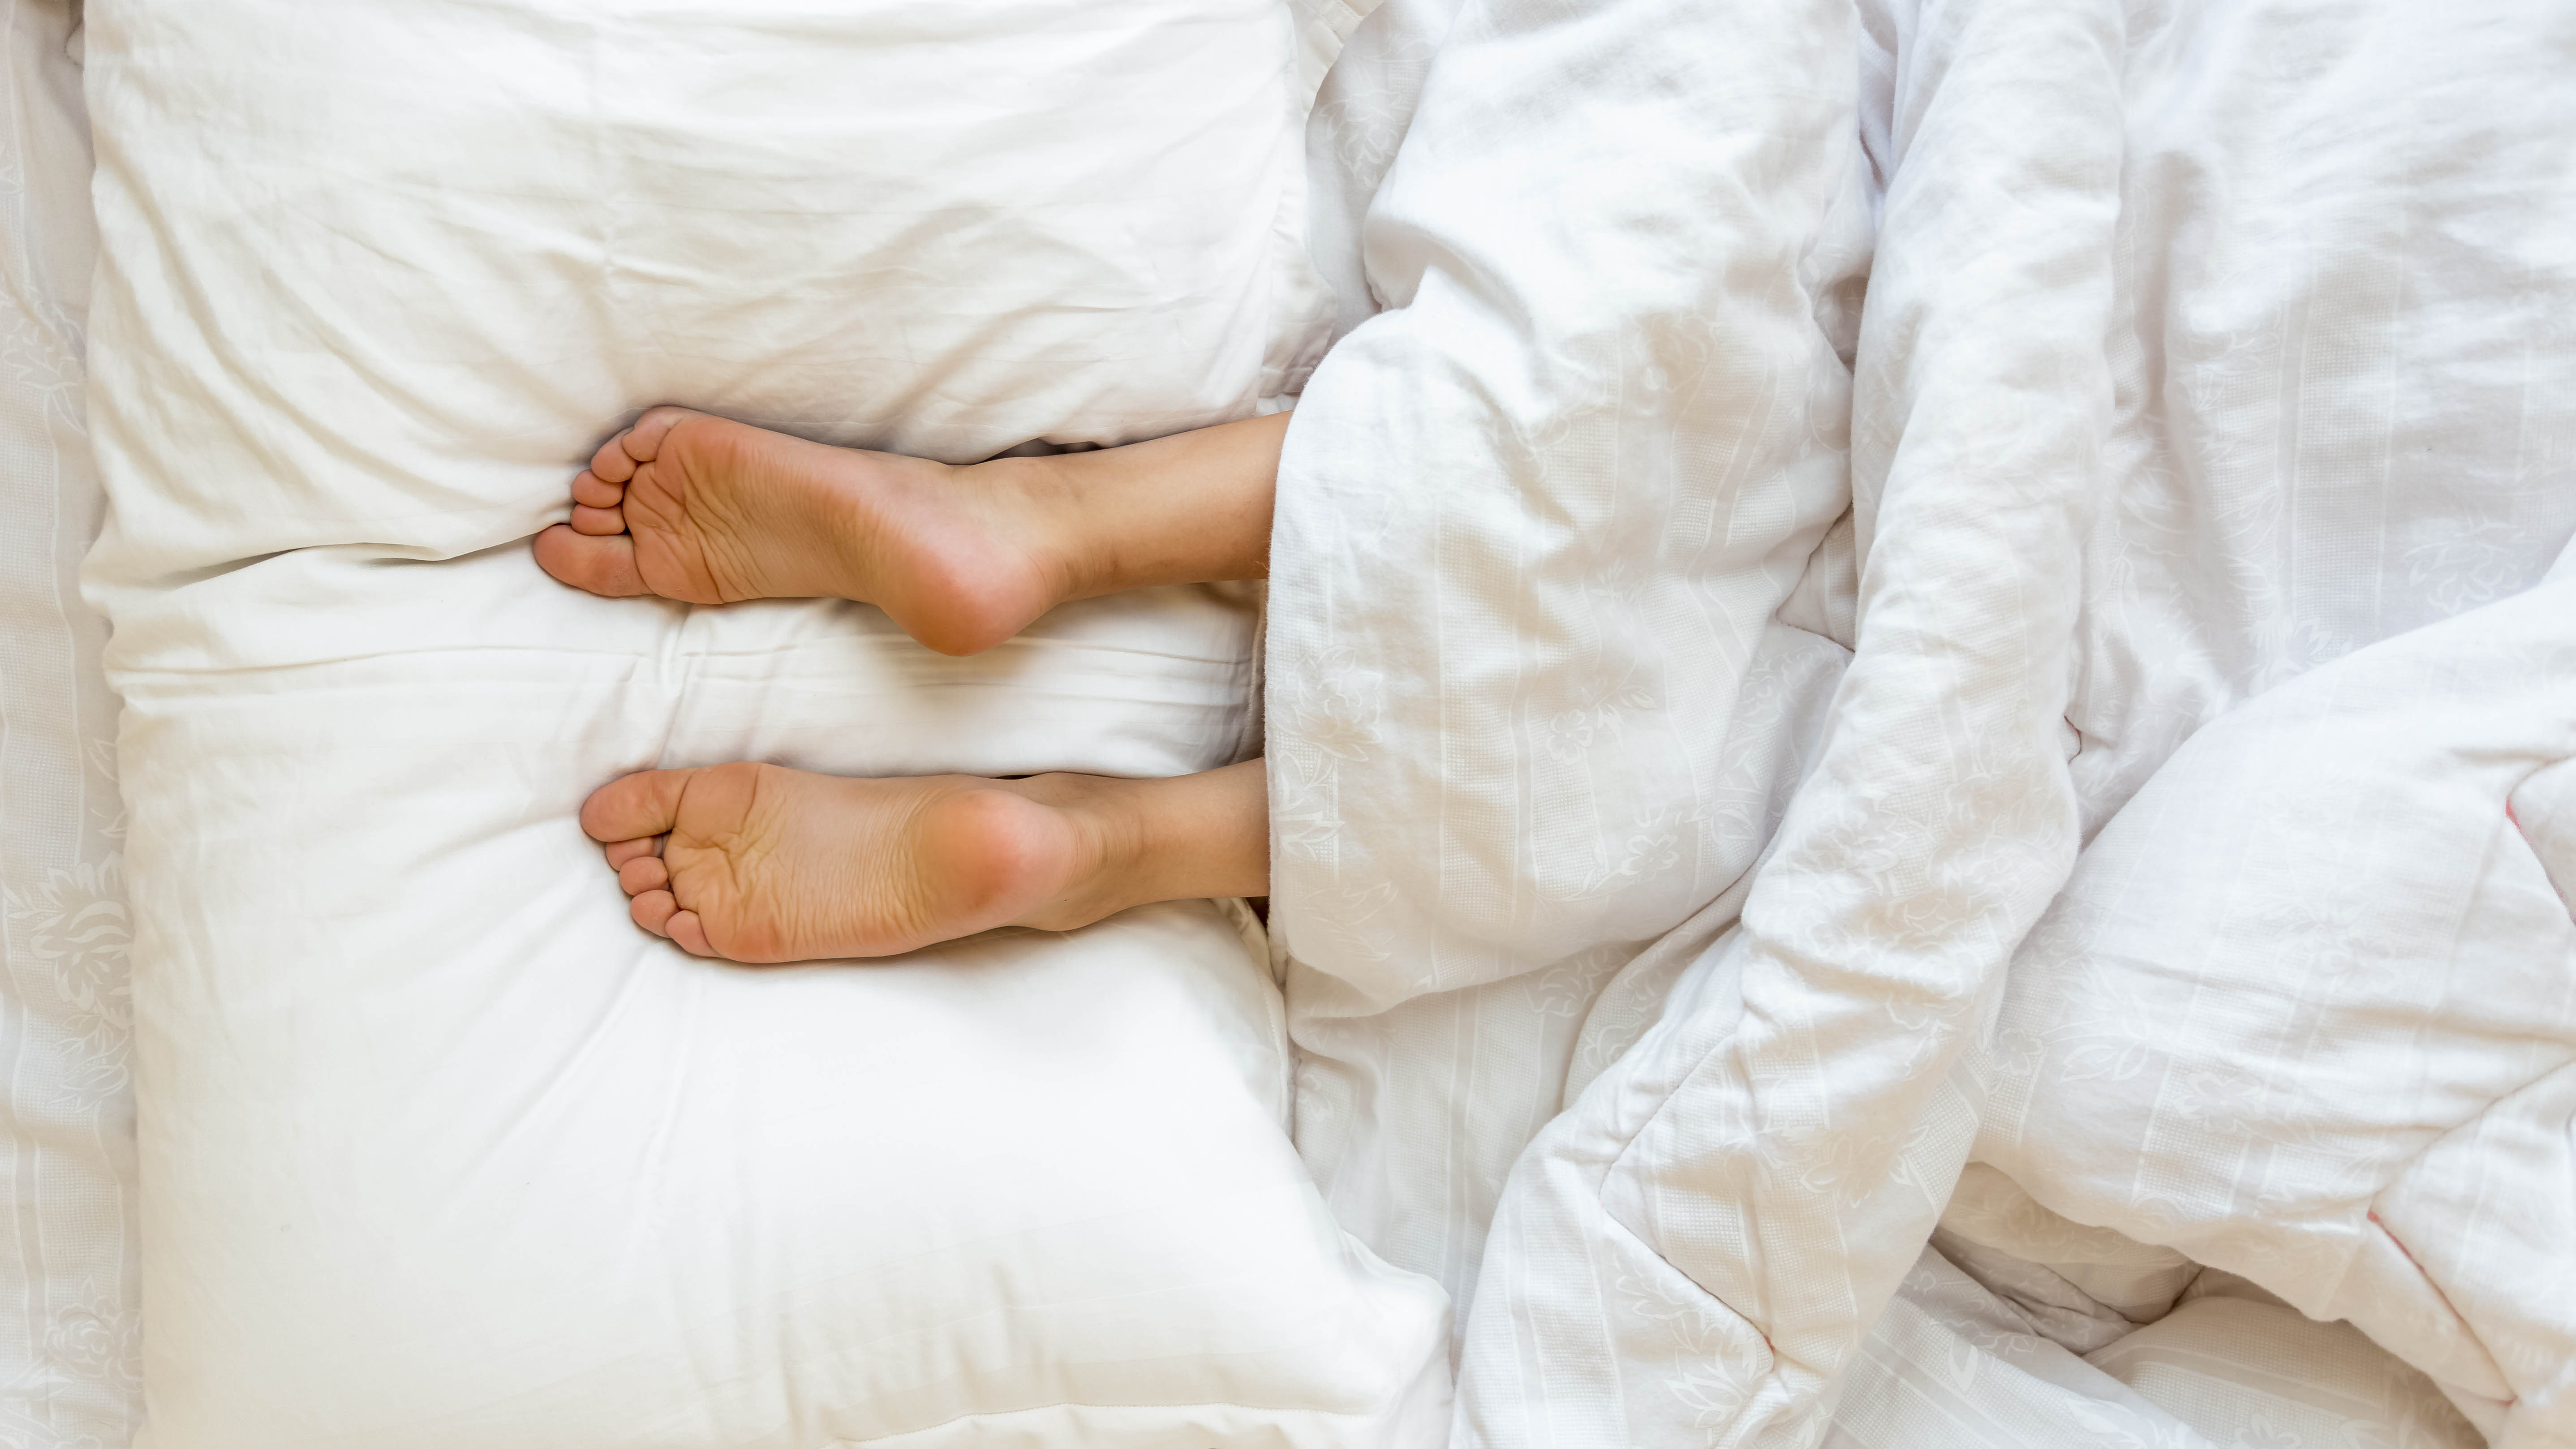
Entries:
{"x":69,"y":1364}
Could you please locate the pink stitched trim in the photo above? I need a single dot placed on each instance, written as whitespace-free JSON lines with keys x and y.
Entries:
{"x":2516,"y":822}
{"x":2373,"y":1215}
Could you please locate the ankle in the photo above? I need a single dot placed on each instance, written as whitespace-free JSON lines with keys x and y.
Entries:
{"x":1110,"y":848}
{"x":1140,"y":841}
{"x":1037,"y":506}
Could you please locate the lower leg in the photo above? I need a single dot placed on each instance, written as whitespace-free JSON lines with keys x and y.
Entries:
{"x":1175,"y":839}
{"x":1190,"y":508}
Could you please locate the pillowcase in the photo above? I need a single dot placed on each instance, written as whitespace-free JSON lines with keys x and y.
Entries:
{"x":436,"y":1148}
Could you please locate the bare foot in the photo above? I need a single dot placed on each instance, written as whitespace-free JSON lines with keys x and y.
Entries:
{"x":708,"y":511}
{"x":761,"y":864}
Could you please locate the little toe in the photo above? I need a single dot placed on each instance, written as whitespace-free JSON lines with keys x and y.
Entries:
{"x":643,"y":873}
{"x":598,"y":522}
{"x":632,"y":807}
{"x":603,"y":566}
{"x":688,"y":933}
{"x":621,"y":851}
{"x":653,"y":911}
{"x":593,"y":491}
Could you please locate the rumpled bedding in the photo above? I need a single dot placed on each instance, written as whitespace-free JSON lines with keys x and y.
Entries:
{"x":2189,"y":482}
{"x":2203,"y":346}
{"x":69,"y":1331}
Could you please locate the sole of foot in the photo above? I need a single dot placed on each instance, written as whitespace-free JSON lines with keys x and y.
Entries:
{"x":762,"y":865}
{"x":703,"y":510}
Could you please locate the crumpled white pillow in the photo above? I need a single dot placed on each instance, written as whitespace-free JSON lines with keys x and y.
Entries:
{"x":436,"y":1149}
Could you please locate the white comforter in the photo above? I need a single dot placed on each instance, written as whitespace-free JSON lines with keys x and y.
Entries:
{"x":69,"y":1332}
{"x":2202,"y":345}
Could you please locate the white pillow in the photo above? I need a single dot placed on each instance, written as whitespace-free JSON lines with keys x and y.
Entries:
{"x":436,"y":1148}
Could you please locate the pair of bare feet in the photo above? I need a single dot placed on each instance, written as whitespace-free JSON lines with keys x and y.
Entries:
{"x":757,"y":863}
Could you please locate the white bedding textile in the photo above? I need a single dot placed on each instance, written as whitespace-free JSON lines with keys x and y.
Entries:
{"x":436,"y":1147}
{"x":1953,"y":1361}
{"x":2319,"y":1034}
{"x":69,"y":1373}
{"x":2327,"y":1039}
{"x":2134,"y":261}
{"x":1562,"y":275}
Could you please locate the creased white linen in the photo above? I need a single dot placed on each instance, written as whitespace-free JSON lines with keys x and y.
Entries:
{"x":2236,"y":552}
{"x":1583,"y":1321}
{"x":2325,"y":1036}
{"x":1362,"y":110}
{"x":1952,"y":1366}
{"x":2127,"y":256}
{"x":69,"y":1368}
{"x":2298,"y":1012}
{"x":1604,"y":409}
{"x":437,"y":1148}
{"x":2345,"y":350}
{"x":1747,"y":1189}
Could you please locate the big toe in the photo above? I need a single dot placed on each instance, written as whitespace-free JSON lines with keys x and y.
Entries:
{"x":634,"y":807}
{"x":643,"y":442}
{"x":689,"y":934}
{"x":595,"y":563}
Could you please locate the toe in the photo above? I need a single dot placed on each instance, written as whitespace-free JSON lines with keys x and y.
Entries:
{"x":621,"y":851}
{"x":689,"y":933}
{"x":642,"y":443}
{"x":599,"y":565}
{"x":612,"y":464}
{"x":597,"y":522}
{"x":592,"y":491}
{"x":633,"y":807}
{"x":643,"y":873}
{"x":653,"y":911}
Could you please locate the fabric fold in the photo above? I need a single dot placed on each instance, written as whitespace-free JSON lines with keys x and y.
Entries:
{"x":1528,"y":705}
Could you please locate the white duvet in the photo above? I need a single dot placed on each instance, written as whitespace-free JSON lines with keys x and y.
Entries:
{"x":2202,"y":345}
{"x":68,"y":1327}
